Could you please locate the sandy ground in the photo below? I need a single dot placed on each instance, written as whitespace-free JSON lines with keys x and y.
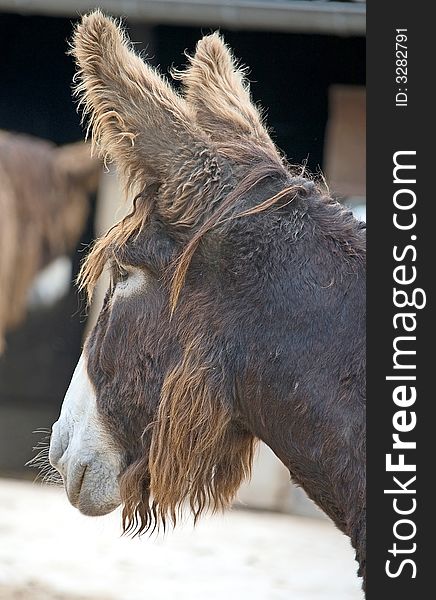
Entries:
{"x":48,"y":551}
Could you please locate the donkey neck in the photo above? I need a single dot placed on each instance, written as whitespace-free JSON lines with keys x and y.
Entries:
{"x":322,"y":447}
{"x":313,"y":419}
{"x":304,"y":392}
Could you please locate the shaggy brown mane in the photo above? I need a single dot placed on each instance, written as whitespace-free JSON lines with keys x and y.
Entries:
{"x":105,"y":248}
{"x":197,"y":453}
{"x":196,"y":456}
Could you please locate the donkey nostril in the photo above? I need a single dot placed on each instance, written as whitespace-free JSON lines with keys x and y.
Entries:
{"x":58,"y":446}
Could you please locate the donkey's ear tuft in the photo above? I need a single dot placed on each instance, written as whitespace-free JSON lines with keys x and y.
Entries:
{"x":219,"y":93}
{"x":136,"y":118}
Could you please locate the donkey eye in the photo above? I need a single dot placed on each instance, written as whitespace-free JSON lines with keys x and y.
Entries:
{"x":119,"y":273}
{"x":123,"y":274}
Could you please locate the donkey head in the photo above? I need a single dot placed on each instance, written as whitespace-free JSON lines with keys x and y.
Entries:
{"x":158,"y":412}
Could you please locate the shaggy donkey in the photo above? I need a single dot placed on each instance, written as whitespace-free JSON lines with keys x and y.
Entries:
{"x":236,"y":310}
{"x":43,"y":209}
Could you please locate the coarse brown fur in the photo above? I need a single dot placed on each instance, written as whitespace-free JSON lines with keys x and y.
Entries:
{"x":43,"y":206}
{"x":252,"y":322}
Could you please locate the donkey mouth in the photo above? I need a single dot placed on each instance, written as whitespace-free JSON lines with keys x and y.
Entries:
{"x":73,"y":485}
{"x":92,"y":490}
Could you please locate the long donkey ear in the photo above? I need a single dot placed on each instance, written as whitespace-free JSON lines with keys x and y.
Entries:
{"x":219,"y":94}
{"x":137,"y":119}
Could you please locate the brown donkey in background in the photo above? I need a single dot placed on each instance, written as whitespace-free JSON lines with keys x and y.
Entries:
{"x":44,"y":203}
{"x":236,"y":310}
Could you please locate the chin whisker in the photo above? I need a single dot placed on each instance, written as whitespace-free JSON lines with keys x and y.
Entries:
{"x":46,"y":473}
